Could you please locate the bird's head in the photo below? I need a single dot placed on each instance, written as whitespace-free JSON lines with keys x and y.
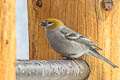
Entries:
{"x":52,"y":23}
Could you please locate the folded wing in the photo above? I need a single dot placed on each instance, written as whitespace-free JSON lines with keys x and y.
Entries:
{"x":69,"y":34}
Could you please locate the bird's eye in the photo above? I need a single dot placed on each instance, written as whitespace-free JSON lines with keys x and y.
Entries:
{"x":50,"y":22}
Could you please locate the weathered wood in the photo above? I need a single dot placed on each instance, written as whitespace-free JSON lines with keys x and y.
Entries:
{"x":52,"y":70}
{"x":89,"y":18}
{"x":7,"y":40}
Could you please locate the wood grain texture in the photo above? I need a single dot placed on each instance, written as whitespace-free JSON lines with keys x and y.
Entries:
{"x":7,"y":40}
{"x":86,"y":17}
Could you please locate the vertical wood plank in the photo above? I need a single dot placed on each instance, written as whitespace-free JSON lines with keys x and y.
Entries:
{"x":91,"y":32}
{"x":7,"y":40}
{"x":88,"y":18}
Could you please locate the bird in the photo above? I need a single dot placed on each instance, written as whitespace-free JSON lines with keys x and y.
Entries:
{"x":69,"y":43}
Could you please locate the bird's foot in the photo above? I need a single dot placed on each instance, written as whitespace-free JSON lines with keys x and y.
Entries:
{"x":68,"y":58}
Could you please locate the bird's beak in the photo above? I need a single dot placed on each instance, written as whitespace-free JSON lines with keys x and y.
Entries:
{"x":43,"y":24}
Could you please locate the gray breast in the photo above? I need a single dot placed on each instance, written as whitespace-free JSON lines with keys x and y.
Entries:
{"x":61,"y":45}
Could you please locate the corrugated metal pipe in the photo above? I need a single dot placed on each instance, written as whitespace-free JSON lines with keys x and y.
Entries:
{"x":52,"y":70}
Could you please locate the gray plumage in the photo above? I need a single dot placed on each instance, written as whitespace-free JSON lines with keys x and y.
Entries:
{"x":69,"y":43}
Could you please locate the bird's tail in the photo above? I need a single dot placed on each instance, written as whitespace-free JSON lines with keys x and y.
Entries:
{"x":93,"y":52}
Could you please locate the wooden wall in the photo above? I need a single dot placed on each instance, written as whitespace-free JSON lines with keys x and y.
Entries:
{"x":86,"y":17}
{"x":7,"y":40}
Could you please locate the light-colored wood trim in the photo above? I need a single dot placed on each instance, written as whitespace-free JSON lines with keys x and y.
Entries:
{"x":7,"y":40}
